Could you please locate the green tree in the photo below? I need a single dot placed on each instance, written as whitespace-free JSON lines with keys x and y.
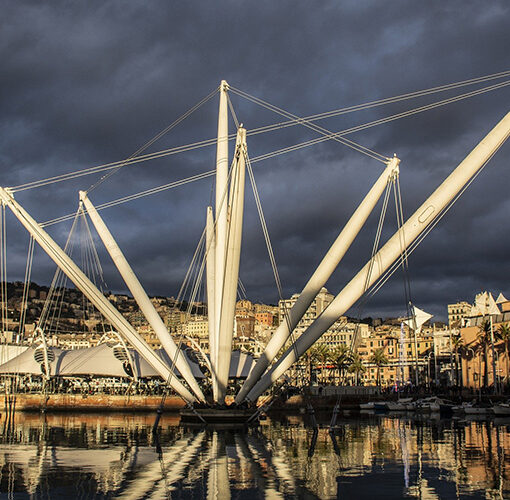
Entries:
{"x":319,"y":355}
{"x":379,"y":359}
{"x":484,"y":340}
{"x":341,"y":357}
{"x":357,"y":367}
{"x":504,"y":335}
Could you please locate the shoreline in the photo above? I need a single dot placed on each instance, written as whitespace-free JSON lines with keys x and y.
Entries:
{"x":141,"y":403}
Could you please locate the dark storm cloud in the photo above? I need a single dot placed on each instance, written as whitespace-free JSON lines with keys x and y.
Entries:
{"x":85,"y":83}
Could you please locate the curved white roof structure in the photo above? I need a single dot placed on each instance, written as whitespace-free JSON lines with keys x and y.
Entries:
{"x":31,"y":362}
{"x":107,"y":360}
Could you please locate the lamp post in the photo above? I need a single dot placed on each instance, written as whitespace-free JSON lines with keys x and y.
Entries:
{"x":428,"y":367}
{"x":494,"y":375}
{"x":451,"y":357}
{"x":436,"y":368}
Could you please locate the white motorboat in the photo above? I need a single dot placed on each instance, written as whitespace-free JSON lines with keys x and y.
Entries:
{"x":367,"y":406}
{"x":501,"y":409}
{"x":399,"y":405}
{"x":381,"y":405}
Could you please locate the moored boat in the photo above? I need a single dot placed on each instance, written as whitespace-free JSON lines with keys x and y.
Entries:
{"x":367,"y":406}
{"x":501,"y":409}
{"x":399,"y":405}
{"x":429,"y":405}
{"x":478,"y":409}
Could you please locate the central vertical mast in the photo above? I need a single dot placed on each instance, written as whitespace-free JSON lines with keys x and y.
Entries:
{"x":221,"y":225}
{"x":232,"y":257}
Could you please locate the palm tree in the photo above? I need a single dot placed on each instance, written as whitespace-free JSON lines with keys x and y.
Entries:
{"x":379,"y":359}
{"x":357,"y":367}
{"x":319,"y":355}
{"x":342,"y":358}
{"x":504,"y":335}
{"x":484,"y":339}
{"x":457,"y":344}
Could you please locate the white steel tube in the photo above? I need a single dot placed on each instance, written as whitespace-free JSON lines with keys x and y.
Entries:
{"x":321,"y":275}
{"x":93,"y":294}
{"x":221,"y":210}
{"x":210,"y":249}
{"x":414,"y":226}
{"x":139,"y":294}
{"x":235,"y":230}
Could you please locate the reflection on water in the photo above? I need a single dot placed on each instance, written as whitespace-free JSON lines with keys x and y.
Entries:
{"x":117,"y":456}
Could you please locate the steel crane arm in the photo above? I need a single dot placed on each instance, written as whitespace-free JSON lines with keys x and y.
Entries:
{"x":88,"y":288}
{"x":321,"y":275}
{"x":400,"y":241}
{"x":141,"y":297}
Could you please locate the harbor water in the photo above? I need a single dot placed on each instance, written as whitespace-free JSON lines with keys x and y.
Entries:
{"x":119,"y":455}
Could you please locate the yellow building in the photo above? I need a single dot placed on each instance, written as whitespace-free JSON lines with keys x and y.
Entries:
{"x":478,"y":359}
{"x":401,"y":356}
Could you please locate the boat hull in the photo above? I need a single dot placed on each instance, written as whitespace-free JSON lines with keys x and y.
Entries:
{"x":501,"y":410}
{"x":476,"y":411}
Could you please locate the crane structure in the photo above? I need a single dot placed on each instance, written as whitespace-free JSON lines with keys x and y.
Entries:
{"x":223,"y":238}
{"x":96,"y":297}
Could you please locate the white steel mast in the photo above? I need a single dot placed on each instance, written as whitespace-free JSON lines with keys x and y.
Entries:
{"x":210,"y":249}
{"x":221,"y":221}
{"x":141,"y":297}
{"x":74,"y":273}
{"x":321,"y":275}
{"x":390,"y":252}
{"x":233,"y":254}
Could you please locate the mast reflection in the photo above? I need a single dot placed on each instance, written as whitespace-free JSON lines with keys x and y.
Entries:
{"x":119,"y":456}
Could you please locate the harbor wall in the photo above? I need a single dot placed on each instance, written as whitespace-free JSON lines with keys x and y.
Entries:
{"x":109,"y":403}
{"x":139,"y":403}
{"x":93,"y":402}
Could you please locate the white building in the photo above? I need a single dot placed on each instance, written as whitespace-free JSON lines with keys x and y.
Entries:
{"x":323,"y":299}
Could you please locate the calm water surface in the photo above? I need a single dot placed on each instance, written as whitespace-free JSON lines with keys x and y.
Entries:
{"x":76,"y":456}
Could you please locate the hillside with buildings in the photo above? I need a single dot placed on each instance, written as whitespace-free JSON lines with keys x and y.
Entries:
{"x":387,"y":352}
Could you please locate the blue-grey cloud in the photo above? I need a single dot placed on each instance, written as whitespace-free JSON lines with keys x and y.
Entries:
{"x":89,"y":83}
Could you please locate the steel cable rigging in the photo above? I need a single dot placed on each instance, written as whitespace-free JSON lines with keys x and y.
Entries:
{"x":292,"y":122}
{"x":288,"y":149}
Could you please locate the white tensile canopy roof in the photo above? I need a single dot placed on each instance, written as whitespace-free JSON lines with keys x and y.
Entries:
{"x":241,"y":364}
{"x":100,"y":360}
{"x":103,"y":360}
{"x":30,"y":361}
{"x":501,"y":298}
{"x":146,"y":370}
{"x":106,"y":361}
{"x":484,"y":304}
{"x":9,"y":351}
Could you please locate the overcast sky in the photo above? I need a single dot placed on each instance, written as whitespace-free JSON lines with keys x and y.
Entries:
{"x":86,"y":83}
